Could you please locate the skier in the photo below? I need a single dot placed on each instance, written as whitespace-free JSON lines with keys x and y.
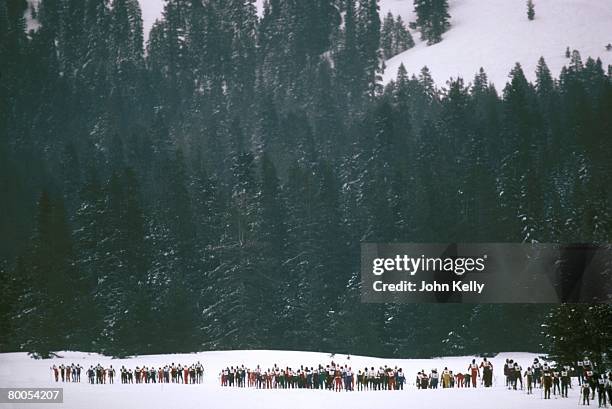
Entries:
{"x":380,"y":377}
{"x":590,"y":378}
{"x":460,"y":378}
{"x":446,"y":377}
{"x":202,"y":374}
{"x":225,"y":376}
{"x":587,"y":365}
{"x":586,"y":392}
{"x":314,"y":383}
{"x":537,"y":371}
{"x":91,"y":373}
{"x":400,"y":379}
{"x":547,"y":383}
{"x":565,"y":381}
{"x":55,"y":373}
{"x":487,"y":373}
{"x":391,"y":378}
{"x":166,"y":374}
{"x":98,"y":374}
{"x":348,"y":380}
{"x":609,"y":387}
{"x":556,"y":381}
{"x":517,"y":375}
{"x":111,"y":374}
{"x":338,"y":379}
{"x":474,"y":371}
{"x":424,"y":380}
{"x":580,"y":371}
{"x":434,"y":379}
{"x":507,"y":372}
{"x":359,"y":380}
{"x":529,"y":379}
{"x":601,"y":391}
{"x":323,"y":377}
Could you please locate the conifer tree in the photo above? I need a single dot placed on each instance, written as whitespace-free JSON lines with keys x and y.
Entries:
{"x":394,"y":37}
{"x":530,"y":10}
{"x":573,"y":331}
{"x":349,"y":59}
{"x":386,"y":36}
{"x":544,"y":80}
{"x":432,"y":19}
{"x":403,"y":38}
{"x":46,"y":302}
{"x":368,"y":40}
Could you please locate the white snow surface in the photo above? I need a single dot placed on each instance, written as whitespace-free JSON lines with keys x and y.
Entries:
{"x":495,"y":34}
{"x":18,"y":370}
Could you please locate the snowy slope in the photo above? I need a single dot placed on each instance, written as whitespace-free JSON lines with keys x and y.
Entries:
{"x":17,"y":370}
{"x":495,"y":34}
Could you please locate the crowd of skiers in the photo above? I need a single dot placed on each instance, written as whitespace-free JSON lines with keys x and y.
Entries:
{"x":331,"y":377}
{"x":558,"y":380}
{"x":67,"y":373}
{"x":100,"y":375}
{"x":555,"y":380}
{"x":447,"y":379}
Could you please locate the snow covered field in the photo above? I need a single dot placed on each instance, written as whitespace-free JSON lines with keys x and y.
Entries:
{"x":18,"y":370}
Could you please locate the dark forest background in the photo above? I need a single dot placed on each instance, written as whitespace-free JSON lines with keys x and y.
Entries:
{"x":211,"y":191}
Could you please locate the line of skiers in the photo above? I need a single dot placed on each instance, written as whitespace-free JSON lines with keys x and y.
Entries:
{"x":68,"y":373}
{"x":172,"y":373}
{"x":558,"y":379}
{"x":591,"y":380}
{"x":99,"y":375}
{"x":337,"y":377}
{"x":331,"y":377}
{"x":448,"y":379}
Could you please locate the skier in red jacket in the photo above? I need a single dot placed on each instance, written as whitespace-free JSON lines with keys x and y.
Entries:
{"x":474,"y":371}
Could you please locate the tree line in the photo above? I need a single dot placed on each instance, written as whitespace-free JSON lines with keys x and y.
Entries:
{"x":211,"y":191}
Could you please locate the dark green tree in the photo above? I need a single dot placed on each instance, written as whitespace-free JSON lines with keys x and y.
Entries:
{"x":573,"y":331}
{"x":432,"y":19}
{"x":530,"y":10}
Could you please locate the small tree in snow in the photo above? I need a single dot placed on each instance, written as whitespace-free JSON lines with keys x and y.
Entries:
{"x":530,"y":10}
